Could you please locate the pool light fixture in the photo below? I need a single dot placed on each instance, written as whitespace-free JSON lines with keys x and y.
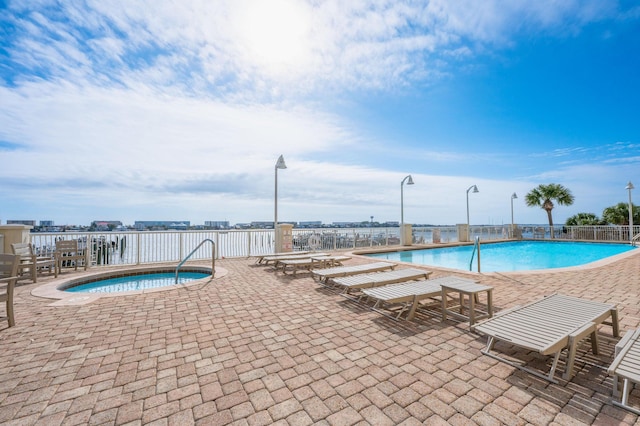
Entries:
{"x":513,"y":197}
{"x":279,"y":165}
{"x":409,"y":181}
{"x":629,"y":187}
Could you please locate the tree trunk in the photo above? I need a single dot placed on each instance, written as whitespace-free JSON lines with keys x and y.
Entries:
{"x":550,"y":222}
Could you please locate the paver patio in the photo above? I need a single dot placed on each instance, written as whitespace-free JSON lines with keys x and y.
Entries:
{"x":254,"y":347}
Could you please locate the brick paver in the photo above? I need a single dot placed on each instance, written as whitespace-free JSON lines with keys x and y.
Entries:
{"x":255,"y":347}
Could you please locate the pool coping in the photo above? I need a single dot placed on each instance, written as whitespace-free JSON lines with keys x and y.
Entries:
{"x":52,"y":289}
{"x":591,"y":265}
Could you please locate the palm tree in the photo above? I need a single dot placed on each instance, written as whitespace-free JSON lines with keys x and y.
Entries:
{"x":544,"y":196}
{"x":582,"y":219}
{"x":619,"y":214}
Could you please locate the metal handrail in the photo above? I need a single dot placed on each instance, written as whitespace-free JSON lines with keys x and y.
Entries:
{"x":213,"y":258}
{"x":476,"y":246}
{"x":635,"y":239}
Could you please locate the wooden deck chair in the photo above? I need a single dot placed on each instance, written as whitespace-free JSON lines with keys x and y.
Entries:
{"x":277,"y":258}
{"x":408,"y":296}
{"x":310,"y":263}
{"x":342,"y":271}
{"x":376,"y":279}
{"x":626,"y":366}
{"x":9,"y":275}
{"x":548,"y":326}
{"x":31,"y":262}
{"x":261,"y":258}
{"x":69,"y":253}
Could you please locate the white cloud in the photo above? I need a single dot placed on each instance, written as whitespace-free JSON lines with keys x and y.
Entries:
{"x":181,"y":112}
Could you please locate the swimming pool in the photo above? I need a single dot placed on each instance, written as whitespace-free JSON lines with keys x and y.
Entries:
{"x":132,"y":281}
{"x":511,"y":256}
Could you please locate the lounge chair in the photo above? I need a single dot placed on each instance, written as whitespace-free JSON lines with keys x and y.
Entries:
{"x":260,"y":259}
{"x":276,"y":258}
{"x":408,"y":295}
{"x":69,"y":253}
{"x":29,"y":261}
{"x":310,"y":263}
{"x":9,"y":275}
{"x":342,"y":271}
{"x":547,"y":326}
{"x":626,"y":365}
{"x":376,"y":279}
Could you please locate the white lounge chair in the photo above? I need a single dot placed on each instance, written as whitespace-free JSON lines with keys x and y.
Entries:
{"x":260,"y":259}
{"x":277,"y":258}
{"x":310,"y":263}
{"x":626,"y":366}
{"x":547,"y":326}
{"x":409,"y":295}
{"x":342,"y":271}
{"x":376,"y":279}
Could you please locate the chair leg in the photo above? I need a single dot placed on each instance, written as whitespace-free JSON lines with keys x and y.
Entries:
{"x":10,"y":317}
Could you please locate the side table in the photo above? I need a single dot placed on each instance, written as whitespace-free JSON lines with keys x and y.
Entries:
{"x":471,"y":290}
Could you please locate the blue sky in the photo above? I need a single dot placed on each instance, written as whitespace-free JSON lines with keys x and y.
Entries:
{"x":161,"y":110}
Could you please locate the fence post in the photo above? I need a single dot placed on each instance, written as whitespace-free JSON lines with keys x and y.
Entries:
{"x":138,"y":248}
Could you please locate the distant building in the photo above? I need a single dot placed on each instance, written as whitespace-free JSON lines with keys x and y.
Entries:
{"x":343,"y":224}
{"x":216,"y":224}
{"x":21,"y":222}
{"x":262,"y":225}
{"x":310,"y":224}
{"x":142,"y":225}
{"x":106,"y":225}
{"x":47,"y":223}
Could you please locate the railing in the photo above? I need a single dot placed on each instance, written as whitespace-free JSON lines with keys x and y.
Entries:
{"x":135,"y":248}
{"x":476,"y":247}
{"x":213,"y":258}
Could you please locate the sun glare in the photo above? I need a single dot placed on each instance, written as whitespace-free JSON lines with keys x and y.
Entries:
{"x":274,"y":34}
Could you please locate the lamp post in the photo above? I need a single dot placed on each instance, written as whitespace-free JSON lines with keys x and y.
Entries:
{"x":513,"y":197}
{"x":279,"y":165}
{"x":629,"y":187}
{"x":475,"y":189}
{"x":409,"y":181}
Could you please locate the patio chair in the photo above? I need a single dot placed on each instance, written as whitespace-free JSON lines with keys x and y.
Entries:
{"x":548,"y":326}
{"x":31,"y":262}
{"x":310,"y":263}
{"x":377,"y":279}
{"x":276,"y":258}
{"x":342,"y":271}
{"x":260,"y":259}
{"x":407,"y":297}
{"x":626,"y":366}
{"x":9,"y":275}
{"x":69,"y":253}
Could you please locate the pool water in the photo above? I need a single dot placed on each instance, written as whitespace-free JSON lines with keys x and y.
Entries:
{"x":511,"y":256}
{"x":137,"y":282}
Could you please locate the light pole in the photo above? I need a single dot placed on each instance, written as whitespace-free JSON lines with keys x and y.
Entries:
{"x":475,"y":189}
{"x":279,"y":165}
{"x":513,"y":197}
{"x":409,"y":181}
{"x":629,"y":187}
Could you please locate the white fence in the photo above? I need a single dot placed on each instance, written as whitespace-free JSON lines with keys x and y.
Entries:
{"x":134,"y":248}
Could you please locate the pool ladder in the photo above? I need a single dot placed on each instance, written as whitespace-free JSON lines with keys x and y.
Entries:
{"x":213,"y":258}
{"x":476,"y":247}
